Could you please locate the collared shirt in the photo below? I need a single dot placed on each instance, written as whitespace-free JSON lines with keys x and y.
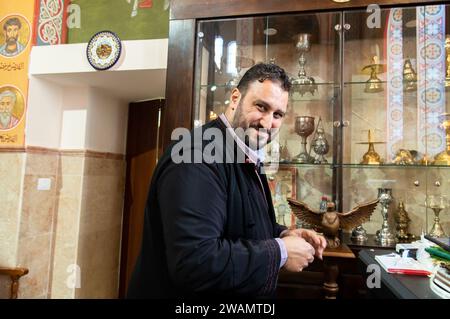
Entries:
{"x":256,"y":158}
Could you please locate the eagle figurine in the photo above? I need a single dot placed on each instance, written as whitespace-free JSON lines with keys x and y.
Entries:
{"x":330,"y":221}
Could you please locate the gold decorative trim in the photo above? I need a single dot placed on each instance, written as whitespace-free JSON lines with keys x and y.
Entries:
{"x":92,"y":154}
{"x":12,"y":149}
{"x":63,"y":152}
{"x":41,"y":150}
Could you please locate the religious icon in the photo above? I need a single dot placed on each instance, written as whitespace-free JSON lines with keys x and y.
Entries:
{"x":11,"y":107}
{"x":15,"y":35}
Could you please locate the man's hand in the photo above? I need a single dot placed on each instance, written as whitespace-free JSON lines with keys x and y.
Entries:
{"x":318,"y":242}
{"x":300,"y":253}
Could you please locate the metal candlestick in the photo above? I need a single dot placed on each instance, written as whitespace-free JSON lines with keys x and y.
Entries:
{"x":384,"y":236}
{"x":305,"y":83}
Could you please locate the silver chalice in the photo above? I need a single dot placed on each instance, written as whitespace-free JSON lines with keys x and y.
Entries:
{"x":304,"y":126}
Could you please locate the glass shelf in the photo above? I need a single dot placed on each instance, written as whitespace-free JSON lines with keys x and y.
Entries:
{"x":392,"y":166}
{"x":381,"y":82}
{"x":363,"y":166}
{"x":306,"y":165}
{"x":225,"y":86}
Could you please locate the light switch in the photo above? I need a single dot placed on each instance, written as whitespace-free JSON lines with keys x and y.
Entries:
{"x":44,"y":184}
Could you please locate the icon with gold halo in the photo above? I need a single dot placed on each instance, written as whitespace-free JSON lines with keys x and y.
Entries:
{"x":12,"y":107}
{"x":14,"y":36}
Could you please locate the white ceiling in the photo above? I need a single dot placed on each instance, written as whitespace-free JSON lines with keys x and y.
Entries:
{"x":130,"y":85}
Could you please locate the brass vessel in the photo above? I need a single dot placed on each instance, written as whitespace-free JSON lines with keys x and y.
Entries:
{"x":443,"y":158}
{"x":371,"y":157}
{"x":374,"y":84}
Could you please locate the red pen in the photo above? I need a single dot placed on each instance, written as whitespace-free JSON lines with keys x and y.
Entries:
{"x":416,"y":272}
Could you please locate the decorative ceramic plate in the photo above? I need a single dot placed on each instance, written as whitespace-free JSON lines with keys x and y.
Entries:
{"x":103,"y":50}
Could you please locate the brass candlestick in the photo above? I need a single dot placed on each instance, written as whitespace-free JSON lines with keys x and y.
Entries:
{"x":371,"y":157}
{"x":437,"y":203}
{"x":443,"y":158}
{"x":384,"y":235}
{"x":374,"y":84}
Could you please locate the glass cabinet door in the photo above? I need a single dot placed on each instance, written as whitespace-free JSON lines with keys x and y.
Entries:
{"x":368,"y":108}
{"x":394,"y":102}
{"x":307,"y":47}
{"x":434,"y":100}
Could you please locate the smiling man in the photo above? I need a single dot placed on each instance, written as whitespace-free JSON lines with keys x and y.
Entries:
{"x":209,"y":227}
{"x":12,"y":46}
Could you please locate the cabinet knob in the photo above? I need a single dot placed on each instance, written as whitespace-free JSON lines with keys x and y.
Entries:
{"x":200,"y":34}
{"x":338,"y":27}
{"x":347,"y":26}
{"x":437,"y":183}
{"x":339,"y":124}
{"x":416,"y":183}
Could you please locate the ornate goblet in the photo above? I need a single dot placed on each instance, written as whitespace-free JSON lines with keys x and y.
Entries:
{"x":305,"y":83}
{"x":304,"y":126}
{"x":437,"y":203}
{"x":384,"y":236}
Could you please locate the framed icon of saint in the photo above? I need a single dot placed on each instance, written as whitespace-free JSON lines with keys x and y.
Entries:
{"x":15,"y":35}
{"x":12,"y":107}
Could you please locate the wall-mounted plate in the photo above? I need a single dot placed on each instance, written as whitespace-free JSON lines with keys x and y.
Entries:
{"x":103,"y":50}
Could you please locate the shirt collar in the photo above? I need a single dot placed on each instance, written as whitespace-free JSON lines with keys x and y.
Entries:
{"x":255,"y":157}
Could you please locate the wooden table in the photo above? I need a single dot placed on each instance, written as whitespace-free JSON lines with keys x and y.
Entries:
{"x":337,"y":276}
{"x":331,"y":260}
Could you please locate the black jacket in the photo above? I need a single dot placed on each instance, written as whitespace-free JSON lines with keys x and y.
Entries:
{"x":209,"y":231}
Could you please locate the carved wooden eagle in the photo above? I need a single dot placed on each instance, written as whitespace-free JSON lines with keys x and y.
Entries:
{"x":330,"y":222}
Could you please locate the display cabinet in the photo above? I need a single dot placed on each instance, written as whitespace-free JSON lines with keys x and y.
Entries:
{"x":368,"y":114}
{"x":367,"y":110}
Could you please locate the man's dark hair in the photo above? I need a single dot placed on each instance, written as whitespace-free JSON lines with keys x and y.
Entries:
{"x":12,"y":21}
{"x":261,"y":72}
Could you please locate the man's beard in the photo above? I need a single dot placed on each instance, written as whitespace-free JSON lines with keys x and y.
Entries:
{"x":5,"y":118}
{"x":11,"y":41}
{"x":251,"y":128}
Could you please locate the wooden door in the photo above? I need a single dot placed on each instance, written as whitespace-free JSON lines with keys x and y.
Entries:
{"x":141,"y":157}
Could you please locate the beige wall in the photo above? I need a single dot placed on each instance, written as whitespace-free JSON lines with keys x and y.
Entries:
{"x":77,"y":141}
{"x":98,"y":253}
{"x":12,"y":166}
{"x":76,"y":223}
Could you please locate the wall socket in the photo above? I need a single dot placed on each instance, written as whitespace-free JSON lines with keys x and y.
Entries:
{"x":44,"y":184}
